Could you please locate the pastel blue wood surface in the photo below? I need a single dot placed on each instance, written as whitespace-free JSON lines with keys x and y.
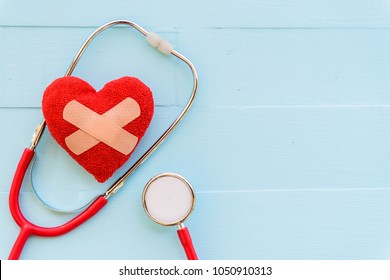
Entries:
{"x":287,"y":144}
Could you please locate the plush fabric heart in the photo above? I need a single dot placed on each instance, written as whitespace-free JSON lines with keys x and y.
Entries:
{"x":93,"y":127}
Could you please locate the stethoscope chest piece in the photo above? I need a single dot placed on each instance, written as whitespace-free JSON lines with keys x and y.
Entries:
{"x":168,"y":199}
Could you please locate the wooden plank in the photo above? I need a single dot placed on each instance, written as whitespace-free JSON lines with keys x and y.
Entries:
{"x":319,"y":224}
{"x":174,"y":13}
{"x":289,"y":67}
{"x":319,"y":67}
{"x":237,"y":149}
{"x":283,"y":147}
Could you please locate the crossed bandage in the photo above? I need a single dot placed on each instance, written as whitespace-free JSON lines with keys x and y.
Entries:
{"x":107,"y":128}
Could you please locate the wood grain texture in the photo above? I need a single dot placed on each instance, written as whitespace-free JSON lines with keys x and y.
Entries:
{"x":215,"y":14}
{"x":287,"y":144}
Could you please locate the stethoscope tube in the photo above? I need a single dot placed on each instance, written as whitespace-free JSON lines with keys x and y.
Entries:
{"x":27,"y":228}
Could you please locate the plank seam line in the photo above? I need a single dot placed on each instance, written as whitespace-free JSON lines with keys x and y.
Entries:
{"x":175,"y":28}
{"x":303,"y":106}
{"x":297,"y":190}
{"x":238,"y":191}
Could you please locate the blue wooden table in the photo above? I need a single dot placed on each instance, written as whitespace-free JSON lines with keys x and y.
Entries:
{"x":287,"y":144}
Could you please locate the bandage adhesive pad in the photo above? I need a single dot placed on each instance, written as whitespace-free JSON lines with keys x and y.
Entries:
{"x":98,"y":129}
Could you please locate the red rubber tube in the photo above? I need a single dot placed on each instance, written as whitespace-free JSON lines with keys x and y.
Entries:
{"x":27,"y":228}
{"x":186,"y":241}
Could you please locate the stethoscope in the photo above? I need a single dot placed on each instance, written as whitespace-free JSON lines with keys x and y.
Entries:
{"x":27,"y":228}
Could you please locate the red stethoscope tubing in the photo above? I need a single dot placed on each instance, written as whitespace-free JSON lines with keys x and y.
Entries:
{"x":27,"y":228}
{"x":186,"y":242}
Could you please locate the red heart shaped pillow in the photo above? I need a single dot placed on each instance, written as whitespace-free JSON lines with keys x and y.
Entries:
{"x":99,"y":130}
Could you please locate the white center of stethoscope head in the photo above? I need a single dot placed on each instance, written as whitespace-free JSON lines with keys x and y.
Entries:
{"x":168,"y":199}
